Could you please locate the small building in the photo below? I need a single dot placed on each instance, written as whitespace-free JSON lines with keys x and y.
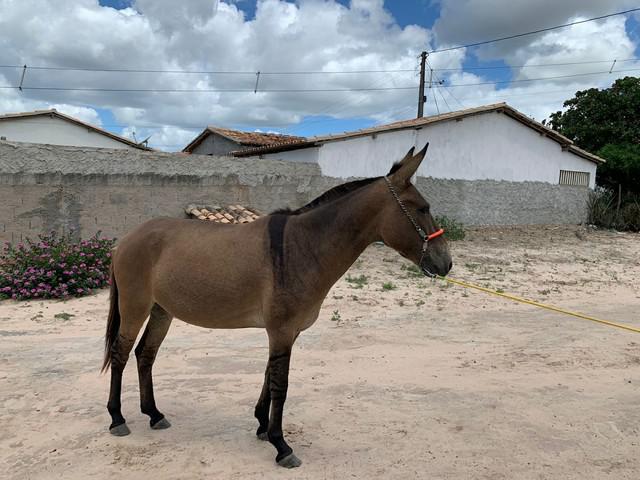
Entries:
{"x":222,"y":141}
{"x":488,"y":165}
{"x":55,"y":128}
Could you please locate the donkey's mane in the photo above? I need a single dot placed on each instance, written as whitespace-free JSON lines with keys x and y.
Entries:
{"x":333,"y":194}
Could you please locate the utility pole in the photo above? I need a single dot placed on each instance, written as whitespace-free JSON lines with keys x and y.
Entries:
{"x":421,"y":96}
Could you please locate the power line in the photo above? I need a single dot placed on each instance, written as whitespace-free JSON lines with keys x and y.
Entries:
{"x":307,"y":72}
{"x":533,"y":32}
{"x":444,"y":99}
{"x":556,"y":77}
{"x":208,"y":90}
{"x":341,"y":103}
{"x":441,"y":84}
{"x":203,"y":72}
{"x":302,"y":90}
{"x":538,"y":65}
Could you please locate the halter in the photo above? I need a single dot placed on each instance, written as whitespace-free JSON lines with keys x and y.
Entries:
{"x":423,"y":235}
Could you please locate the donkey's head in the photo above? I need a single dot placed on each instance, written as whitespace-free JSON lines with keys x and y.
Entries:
{"x":407,"y":225}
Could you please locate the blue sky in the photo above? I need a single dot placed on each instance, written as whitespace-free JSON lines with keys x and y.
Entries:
{"x":406,"y":12}
{"x":308,"y":35}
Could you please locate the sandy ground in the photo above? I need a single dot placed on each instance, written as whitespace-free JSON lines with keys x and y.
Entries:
{"x":423,"y":380}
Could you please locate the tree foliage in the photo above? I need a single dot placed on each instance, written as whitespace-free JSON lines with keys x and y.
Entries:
{"x":607,"y":123}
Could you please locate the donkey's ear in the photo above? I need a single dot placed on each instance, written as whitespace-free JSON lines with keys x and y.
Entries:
{"x":401,"y":172}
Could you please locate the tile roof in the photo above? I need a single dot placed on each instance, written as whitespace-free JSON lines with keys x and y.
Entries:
{"x":229,"y":214}
{"x":420,"y":122}
{"x":54,"y":113}
{"x":247,"y":139}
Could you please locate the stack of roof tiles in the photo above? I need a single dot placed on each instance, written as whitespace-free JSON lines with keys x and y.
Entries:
{"x":229,"y":214}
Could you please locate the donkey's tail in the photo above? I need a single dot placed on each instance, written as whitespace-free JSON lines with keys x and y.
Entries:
{"x":113,"y":322}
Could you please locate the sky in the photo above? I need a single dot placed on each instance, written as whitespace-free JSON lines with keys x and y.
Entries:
{"x":356,"y":61}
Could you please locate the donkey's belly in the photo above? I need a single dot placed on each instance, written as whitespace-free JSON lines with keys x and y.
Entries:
{"x":211,"y":311}
{"x":205,"y":298}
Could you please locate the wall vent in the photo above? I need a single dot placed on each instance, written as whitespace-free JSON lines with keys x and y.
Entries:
{"x":570,"y":177}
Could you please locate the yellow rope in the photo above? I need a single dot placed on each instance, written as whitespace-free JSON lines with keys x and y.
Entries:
{"x":541,"y":305}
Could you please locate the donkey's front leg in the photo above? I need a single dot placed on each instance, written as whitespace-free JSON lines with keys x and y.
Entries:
{"x":278,"y":376}
{"x":262,"y":407}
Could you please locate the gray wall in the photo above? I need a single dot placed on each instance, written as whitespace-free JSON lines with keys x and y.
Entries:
{"x":489,"y":202}
{"x":45,"y":187}
{"x":215,"y":144}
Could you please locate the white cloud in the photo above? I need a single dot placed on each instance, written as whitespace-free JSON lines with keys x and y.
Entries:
{"x":310,"y":35}
{"x":86,"y":114}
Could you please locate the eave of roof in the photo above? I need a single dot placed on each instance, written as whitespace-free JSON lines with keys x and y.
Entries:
{"x":62,"y":116}
{"x":421,"y":122}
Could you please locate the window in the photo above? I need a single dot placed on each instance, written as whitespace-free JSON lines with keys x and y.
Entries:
{"x":569,"y":177}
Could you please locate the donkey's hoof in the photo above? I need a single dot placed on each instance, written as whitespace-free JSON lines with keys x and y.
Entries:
{"x":262,"y":436}
{"x":160,"y":424}
{"x":290,"y":461}
{"x":120,"y":430}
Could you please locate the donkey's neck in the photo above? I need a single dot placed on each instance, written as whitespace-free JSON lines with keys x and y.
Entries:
{"x":331,"y":237}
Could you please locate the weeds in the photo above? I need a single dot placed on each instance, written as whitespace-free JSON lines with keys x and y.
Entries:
{"x":603,"y":210}
{"x":453,"y":230}
{"x":389,"y":286}
{"x":412,"y":271}
{"x":357,"y":282}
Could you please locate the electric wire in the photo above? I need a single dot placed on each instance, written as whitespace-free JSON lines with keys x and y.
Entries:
{"x":533,"y":32}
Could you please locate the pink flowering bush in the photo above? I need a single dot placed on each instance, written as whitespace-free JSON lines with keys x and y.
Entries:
{"x":55,"y":266}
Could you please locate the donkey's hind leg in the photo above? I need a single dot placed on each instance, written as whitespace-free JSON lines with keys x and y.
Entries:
{"x":129,"y":327}
{"x":146,"y":351}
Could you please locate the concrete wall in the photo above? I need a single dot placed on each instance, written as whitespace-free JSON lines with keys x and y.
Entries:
{"x":45,"y":187}
{"x":215,"y":144}
{"x":489,"y":146}
{"x":487,"y":202}
{"x":55,"y":131}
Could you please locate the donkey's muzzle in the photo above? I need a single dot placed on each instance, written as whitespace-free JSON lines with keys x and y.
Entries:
{"x":435,"y":269}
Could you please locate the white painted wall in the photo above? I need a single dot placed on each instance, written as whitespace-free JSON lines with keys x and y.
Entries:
{"x":54,"y":131}
{"x":489,"y":146}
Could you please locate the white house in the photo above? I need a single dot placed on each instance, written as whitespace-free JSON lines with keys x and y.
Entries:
{"x":55,"y":128}
{"x":485,"y":165}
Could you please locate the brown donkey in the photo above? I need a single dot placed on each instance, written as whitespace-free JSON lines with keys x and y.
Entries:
{"x":280,"y":266}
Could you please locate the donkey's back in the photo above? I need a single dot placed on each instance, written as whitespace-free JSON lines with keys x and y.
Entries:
{"x":207,"y":274}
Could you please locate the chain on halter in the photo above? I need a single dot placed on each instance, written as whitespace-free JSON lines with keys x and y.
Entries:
{"x":423,"y":235}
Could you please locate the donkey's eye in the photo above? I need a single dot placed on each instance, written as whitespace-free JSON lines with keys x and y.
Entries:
{"x":424,"y":210}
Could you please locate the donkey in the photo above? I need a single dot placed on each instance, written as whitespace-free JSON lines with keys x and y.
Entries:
{"x":275,"y":271}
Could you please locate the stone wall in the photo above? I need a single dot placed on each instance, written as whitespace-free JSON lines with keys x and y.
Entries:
{"x":489,"y":202}
{"x":45,"y":187}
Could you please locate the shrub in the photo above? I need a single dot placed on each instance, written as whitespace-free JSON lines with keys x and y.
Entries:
{"x":630,"y":216}
{"x":603,"y":210}
{"x":453,"y":230}
{"x":55,"y":267}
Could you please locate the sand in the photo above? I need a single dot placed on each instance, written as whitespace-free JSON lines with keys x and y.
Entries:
{"x":419,"y":380}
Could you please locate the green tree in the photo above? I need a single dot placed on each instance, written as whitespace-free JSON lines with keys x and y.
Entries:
{"x":607,"y":123}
